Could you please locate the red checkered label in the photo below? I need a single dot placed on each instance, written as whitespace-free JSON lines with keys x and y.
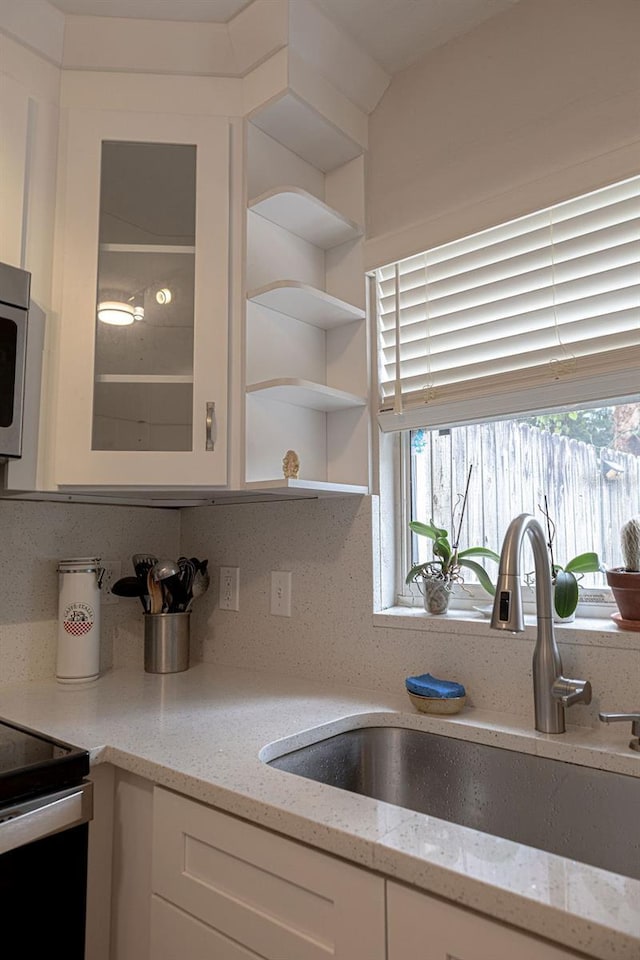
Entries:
{"x":77,"y":628}
{"x":78,"y":619}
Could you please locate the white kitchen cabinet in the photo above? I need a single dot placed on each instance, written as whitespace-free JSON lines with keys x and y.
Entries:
{"x":306,"y":376}
{"x":421,"y":927}
{"x":196,"y":883}
{"x":227,"y":889}
{"x":144,"y":223}
{"x":14,"y":122}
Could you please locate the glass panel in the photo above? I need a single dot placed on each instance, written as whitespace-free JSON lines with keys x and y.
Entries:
{"x":142,"y":416}
{"x":586,"y":463}
{"x":8,"y":350}
{"x":145,"y":299}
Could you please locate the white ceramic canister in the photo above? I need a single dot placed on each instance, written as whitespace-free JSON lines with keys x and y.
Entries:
{"x":79,"y":619}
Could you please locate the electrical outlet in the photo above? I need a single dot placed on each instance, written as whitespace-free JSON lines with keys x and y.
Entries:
{"x":229,"y":596}
{"x":281,"y":593}
{"x":112,"y":572}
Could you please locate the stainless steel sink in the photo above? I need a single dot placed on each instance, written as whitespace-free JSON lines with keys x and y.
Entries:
{"x":577,"y":812}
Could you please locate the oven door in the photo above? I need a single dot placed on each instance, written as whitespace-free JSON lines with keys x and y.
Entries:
{"x":13,"y":351}
{"x":43,"y":872}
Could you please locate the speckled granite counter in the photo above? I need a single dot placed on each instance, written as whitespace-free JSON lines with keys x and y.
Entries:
{"x":206,"y":733}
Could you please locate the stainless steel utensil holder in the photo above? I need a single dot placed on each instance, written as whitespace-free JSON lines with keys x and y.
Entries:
{"x":166,"y":642}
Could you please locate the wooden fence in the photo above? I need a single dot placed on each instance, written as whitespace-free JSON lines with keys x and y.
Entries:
{"x":514,"y":466}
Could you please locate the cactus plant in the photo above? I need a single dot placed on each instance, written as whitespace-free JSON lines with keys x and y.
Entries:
{"x":630,"y":542}
{"x":625,"y":581}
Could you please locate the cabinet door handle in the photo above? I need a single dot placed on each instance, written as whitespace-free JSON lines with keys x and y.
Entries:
{"x":212,"y":429}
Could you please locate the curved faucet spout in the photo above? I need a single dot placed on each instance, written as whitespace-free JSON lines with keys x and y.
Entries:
{"x":552,"y":692}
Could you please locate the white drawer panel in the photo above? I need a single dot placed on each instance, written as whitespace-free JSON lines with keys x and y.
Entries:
{"x":276,"y":897}
{"x":424,"y":928}
{"x":176,"y":934}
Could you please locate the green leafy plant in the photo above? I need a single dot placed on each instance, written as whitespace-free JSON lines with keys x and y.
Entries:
{"x":448,"y":558}
{"x":565,"y":581}
{"x":565,"y":577}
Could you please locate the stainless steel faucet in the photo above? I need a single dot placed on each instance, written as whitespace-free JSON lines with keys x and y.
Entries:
{"x":632,"y":718}
{"x":551,"y":691}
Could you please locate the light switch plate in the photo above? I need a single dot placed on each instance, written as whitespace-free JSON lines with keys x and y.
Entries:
{"x":281,"y":593}
{"x":112,"y":572}
{"x":229,"y":596}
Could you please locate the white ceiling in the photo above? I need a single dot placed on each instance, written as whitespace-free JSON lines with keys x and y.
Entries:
{"x":395,"y":33}
{"x":198,"y":11}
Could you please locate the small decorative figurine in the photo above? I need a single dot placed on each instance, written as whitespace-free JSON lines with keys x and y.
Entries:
{"x":291,"y":465}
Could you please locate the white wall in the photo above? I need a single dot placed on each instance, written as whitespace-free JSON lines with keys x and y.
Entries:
{"x":29,"y":93}
{"x":535,"y":105}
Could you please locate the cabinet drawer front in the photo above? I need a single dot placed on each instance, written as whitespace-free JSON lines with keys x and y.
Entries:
{"x":423,"y":928}
{"x":279,"y":898}
{"x":176,"y":934}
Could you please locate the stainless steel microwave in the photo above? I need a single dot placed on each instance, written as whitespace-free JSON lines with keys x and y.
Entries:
{"x":14,"y":318}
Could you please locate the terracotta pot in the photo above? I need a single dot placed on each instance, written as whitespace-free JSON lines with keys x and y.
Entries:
{"x":625,"y":585}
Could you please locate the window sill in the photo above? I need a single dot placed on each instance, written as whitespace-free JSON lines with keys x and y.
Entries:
{"x":583,"y":630}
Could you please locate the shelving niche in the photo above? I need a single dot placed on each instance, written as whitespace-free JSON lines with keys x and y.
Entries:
{"x":306,"y":370}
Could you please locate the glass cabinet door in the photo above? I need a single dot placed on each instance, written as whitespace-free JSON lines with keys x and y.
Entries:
{"x":144,"y":326}
{"x":144,"y":304}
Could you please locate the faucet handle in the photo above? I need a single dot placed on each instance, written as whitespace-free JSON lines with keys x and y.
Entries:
{"x":633,"y":718}
{"x":569,"y":692}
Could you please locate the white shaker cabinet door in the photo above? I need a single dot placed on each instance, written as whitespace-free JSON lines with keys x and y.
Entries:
{"x":176,"y":934}
{"x":421,"y":927}
{"x":250,"y":893}
{"x":143,"y":268}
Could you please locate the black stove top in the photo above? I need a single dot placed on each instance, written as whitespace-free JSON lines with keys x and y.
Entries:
{"x":32,"y":763}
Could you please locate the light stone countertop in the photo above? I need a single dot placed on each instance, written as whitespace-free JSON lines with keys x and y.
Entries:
{"x":203,"y":733}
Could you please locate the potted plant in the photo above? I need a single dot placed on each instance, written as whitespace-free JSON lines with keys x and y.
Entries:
{"x":564,"y":578}
{"x":435,"y":578}
{"x":625,"y":581}
{"x":565,"y":582}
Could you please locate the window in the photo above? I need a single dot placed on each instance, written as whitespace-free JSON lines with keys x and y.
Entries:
{"x":581,"y":468}
{"x":516,"y":353}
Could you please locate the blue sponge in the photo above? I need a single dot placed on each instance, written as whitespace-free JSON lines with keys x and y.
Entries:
{"x":428,"y":686}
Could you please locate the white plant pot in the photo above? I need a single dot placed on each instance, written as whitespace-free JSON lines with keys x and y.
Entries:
{"x":436,"y":594}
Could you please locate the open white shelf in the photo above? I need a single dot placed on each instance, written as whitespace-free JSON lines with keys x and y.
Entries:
{"x":305,"y":393}
{"x":306,"y":132}
{"x":304,"y":302}
{"x":304,"y":488}
{"x":306,"y":216}
{"x":143,"y":378}
{"x":146,"y":248}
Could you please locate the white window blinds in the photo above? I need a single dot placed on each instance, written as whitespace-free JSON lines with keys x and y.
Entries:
{"x":535,"y":313}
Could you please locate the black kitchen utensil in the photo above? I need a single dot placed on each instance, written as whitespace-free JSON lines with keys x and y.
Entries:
{"x":175,"y":594}
{"x":201,"y":581}
{"x":142,"y":564}
{"x":128,"y":587}
{"x":187,"y":573}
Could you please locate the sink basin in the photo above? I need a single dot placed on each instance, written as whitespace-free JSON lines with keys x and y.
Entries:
{"x":577,"y":812}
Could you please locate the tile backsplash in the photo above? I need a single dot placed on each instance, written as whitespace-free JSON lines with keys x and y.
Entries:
{"x":34,"y":536}
{"x":332,"y":634}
